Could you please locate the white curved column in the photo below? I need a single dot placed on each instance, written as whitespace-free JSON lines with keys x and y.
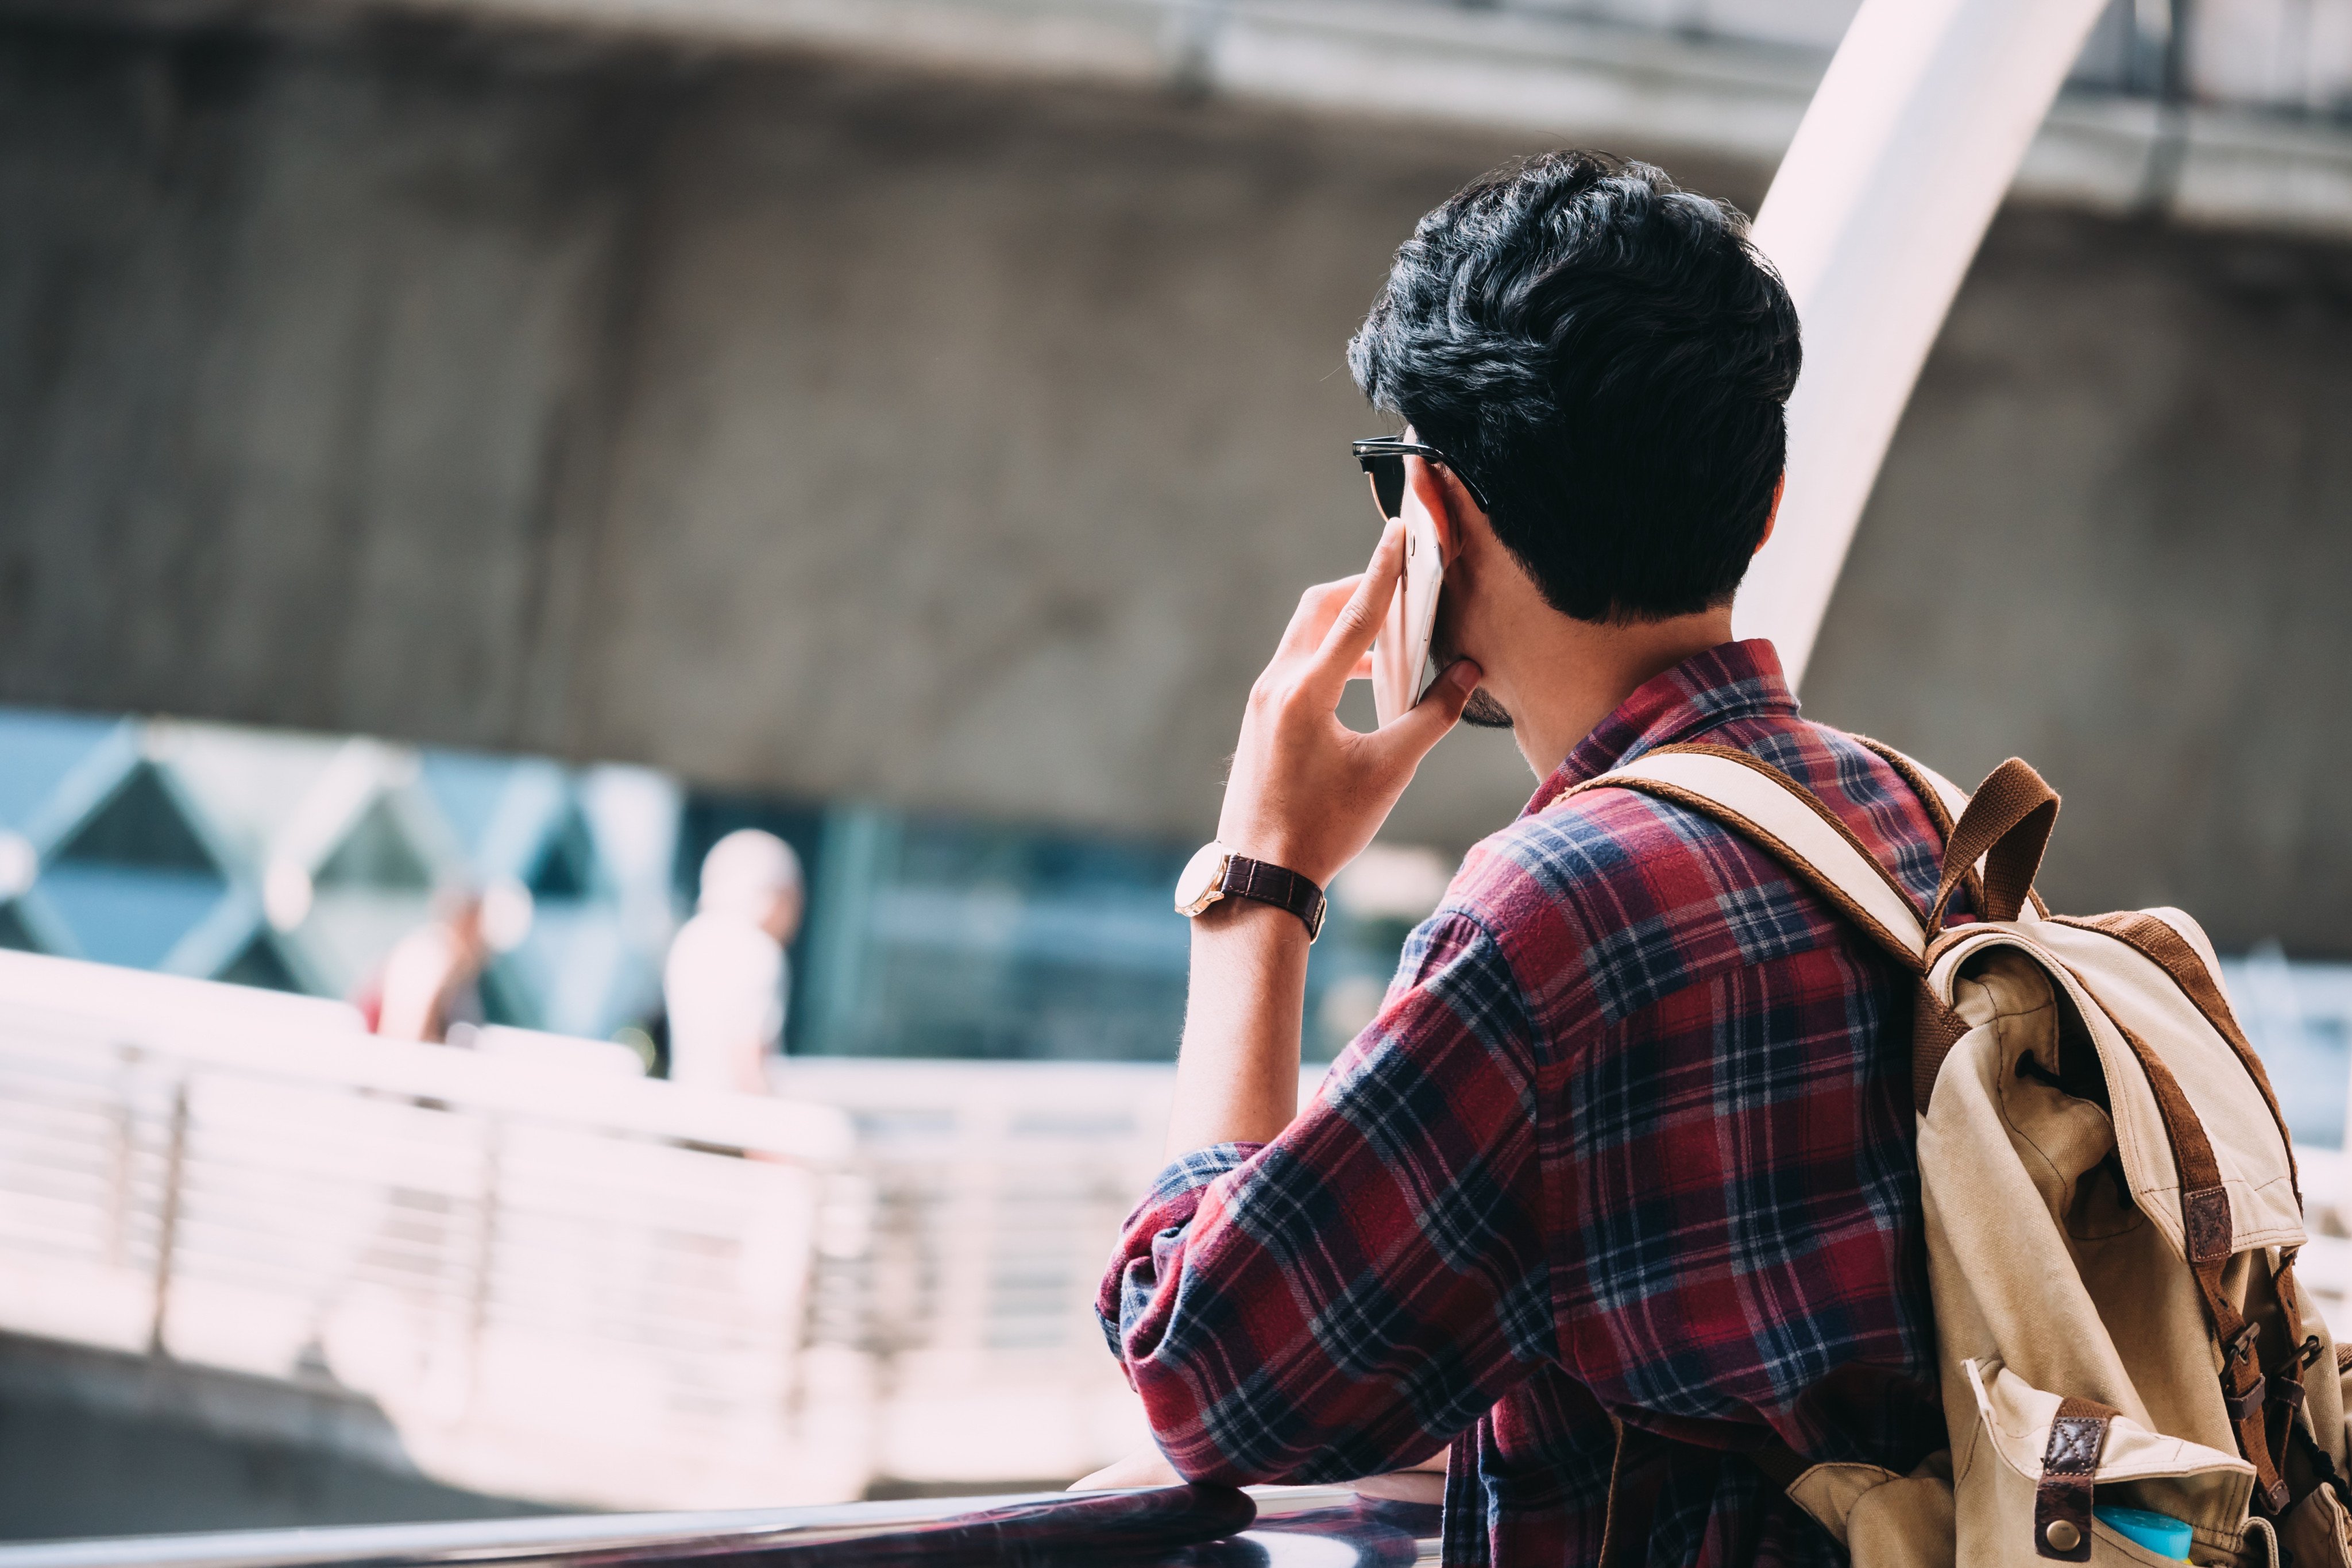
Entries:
{"x":1878,"y":209}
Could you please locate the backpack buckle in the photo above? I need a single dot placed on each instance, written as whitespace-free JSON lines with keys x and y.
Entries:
{"x":2241,"y":1375}
{"x":2310,"y":1350}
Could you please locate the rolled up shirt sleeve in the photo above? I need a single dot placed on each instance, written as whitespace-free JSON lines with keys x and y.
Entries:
{"x":1342,"y":1299}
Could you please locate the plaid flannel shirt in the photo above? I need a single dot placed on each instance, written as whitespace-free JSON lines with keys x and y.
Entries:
{"x":1627,"y":1150}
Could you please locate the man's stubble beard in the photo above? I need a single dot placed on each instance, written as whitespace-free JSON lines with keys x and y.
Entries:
{"x":1486,"y":712}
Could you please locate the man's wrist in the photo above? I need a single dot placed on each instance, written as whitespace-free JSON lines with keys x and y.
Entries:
{"x":1222,"y":872}
{"x":1231,"y":914}
{"x":1272,"y":847}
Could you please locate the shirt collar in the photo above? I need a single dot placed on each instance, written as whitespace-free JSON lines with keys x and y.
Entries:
{"x":1731,"y":680}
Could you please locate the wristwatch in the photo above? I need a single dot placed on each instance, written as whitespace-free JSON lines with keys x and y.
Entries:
{"x":1216,"y":872}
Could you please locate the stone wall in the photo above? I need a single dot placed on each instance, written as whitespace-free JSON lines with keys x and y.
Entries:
{"x":2114,"y":537}
{"x":809,"y":426}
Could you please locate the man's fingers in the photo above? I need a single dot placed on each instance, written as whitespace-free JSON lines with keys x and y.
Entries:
{"x":1416,"y":731}
{"x":1363,"y":669}
{"x":1359,"y":620}
{"x":1317,"y":607}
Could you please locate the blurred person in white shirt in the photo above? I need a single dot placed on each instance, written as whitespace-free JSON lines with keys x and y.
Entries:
{"x":725,"y":983}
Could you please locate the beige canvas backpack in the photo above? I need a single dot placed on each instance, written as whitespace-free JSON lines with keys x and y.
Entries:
{"x":2111,"y":1204}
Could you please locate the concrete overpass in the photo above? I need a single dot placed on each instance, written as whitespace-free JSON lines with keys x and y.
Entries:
{"x":943,"y":404}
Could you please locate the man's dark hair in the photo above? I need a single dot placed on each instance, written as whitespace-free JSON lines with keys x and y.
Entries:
{"x":1606,"y":356}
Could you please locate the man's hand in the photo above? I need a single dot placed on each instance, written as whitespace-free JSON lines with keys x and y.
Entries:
{"x":1147,"y":1466}
{"x":1306,"y":791}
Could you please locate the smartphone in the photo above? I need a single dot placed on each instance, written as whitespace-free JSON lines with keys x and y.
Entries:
{"x":1401,"y":671}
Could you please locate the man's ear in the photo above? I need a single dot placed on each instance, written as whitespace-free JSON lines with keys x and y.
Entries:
{"x":1442,"y":496}
{"x":1772,"y":518}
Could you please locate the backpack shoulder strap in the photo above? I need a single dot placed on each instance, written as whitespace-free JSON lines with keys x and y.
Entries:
{"x":1788,"y":821}
{"x":1947,"y":803}
{"x":1943,"y":799}
{"x":1784,"y":819}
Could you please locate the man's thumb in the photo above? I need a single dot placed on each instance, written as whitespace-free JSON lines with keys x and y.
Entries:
{"x":1438,"y":712}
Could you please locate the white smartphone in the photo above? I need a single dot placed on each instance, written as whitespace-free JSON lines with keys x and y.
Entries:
{"x":1400,"y":670}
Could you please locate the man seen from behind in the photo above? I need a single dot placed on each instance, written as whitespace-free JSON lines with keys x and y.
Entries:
{"x":1617,"y":1191}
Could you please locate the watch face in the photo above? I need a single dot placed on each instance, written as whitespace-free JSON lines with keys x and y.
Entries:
{"x":1202,"y":881}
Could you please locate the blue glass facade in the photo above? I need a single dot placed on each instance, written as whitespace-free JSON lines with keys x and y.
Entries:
{"x":297,"y":861}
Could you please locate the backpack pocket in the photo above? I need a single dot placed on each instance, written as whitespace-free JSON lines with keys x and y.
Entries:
{"x":1882,"y":1519}
{"x":2035,"y":1467}
{"x":2315,"y":1532}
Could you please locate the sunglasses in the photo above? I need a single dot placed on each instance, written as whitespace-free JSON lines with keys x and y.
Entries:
{"x":1382,"y":458}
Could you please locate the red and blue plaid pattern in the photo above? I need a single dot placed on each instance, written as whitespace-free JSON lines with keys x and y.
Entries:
{"x":1629,"y":1143}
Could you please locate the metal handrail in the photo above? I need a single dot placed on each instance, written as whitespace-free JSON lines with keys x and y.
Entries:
{"x":1137,"y":1526}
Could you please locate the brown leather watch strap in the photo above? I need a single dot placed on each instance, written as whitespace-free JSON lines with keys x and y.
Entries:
{"x":1277,"y":885}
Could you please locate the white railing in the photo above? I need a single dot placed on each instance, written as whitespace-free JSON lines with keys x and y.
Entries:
{"x":563,"y":1282}
{"x":995,"y":1190}
{"x":566,"y":1286}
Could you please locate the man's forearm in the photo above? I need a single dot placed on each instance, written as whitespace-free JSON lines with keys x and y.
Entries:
{"x":1307,"y":792}
{"x":1237,"y":1076}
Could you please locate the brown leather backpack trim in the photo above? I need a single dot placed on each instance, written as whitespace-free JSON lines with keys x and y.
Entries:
{"x":2263,"y":1434}
{"x":2007,"y":826}
{"x":2205,"y":1223}
{"x":2069,"y":1462}
{"x":2207,"y":1237}
{"x":2284,"y":1394}
{"x":2155,"y":940}
{"x":1934,"y":1030}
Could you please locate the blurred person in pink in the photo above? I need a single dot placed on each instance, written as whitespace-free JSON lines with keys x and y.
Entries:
{"x":726,"y":979}
{"x":430,"y":980}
